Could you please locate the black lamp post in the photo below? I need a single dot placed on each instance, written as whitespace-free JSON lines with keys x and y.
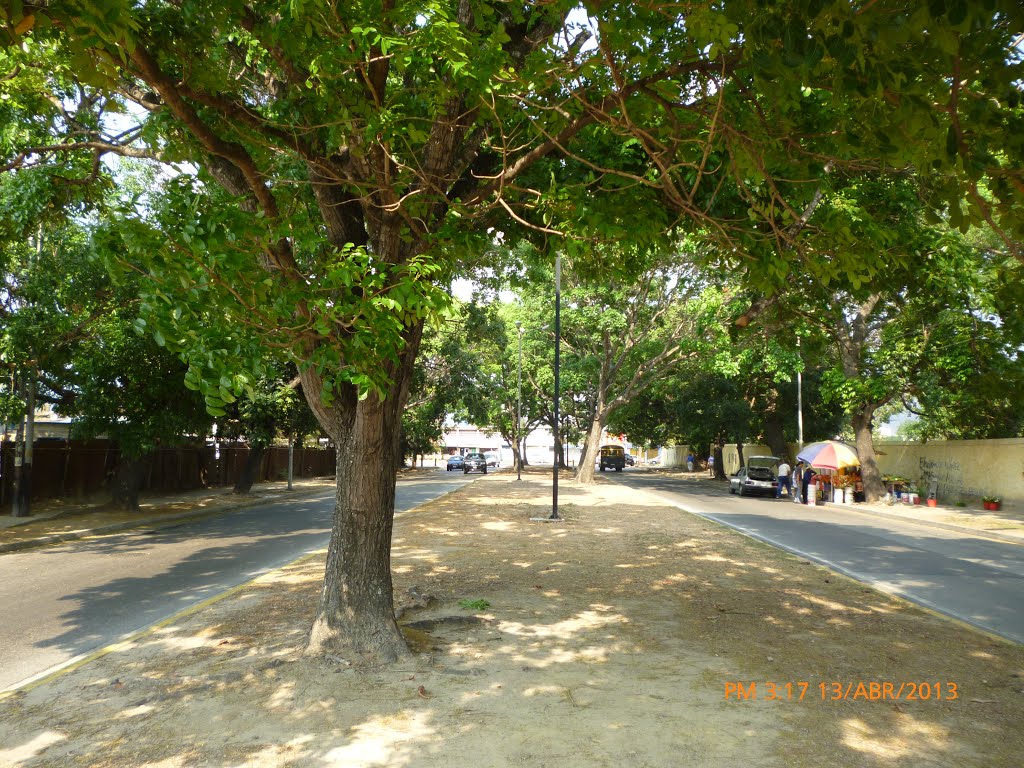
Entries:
{"x":558,"y":338}
{"x":519,"y":405}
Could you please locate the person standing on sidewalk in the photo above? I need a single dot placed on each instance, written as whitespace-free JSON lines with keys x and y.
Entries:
{"x":808,"y":478}
{"x":784,"y":480}
{"x":711,"y":465}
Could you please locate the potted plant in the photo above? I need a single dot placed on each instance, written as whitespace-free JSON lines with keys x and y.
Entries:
{"x":993,"y":503}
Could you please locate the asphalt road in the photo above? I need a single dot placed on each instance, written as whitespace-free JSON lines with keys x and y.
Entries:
{"x":58,"y":603}
{"x":971,"y":578}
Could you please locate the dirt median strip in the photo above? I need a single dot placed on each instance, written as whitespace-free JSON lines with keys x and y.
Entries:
{"x":621,"y":636}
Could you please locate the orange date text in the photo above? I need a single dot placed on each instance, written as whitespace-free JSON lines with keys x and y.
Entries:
{"x":837,"y":690}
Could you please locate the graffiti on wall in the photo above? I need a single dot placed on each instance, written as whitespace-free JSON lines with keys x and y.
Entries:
{"x":949,"y":475}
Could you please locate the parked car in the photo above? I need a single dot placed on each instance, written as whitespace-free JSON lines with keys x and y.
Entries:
{"x":757,"y":477}
{"x":630,"y":460}
{"x":612,"y":457}
{"x":455,"y":462}
{"x":492,"y":460}
{"x":474,"y":462}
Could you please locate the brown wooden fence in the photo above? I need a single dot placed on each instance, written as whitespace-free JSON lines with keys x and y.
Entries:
{"x":78,"y":468}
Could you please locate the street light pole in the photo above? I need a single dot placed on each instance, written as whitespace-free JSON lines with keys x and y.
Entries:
{"x":519,"y":404}
{"x":799,"y":405}
{"x":558,"y":339}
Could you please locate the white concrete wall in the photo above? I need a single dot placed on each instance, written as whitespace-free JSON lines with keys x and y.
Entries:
{"x":674,"y":455}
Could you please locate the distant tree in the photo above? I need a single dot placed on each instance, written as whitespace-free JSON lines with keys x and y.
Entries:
{"x":617,"y":335}
{"x":270,"y":410}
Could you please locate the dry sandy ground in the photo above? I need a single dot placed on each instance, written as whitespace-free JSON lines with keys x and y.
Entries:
{"x":609,"y":640}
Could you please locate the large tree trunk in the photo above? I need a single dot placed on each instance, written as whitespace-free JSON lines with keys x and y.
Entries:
{"x":874,"y":488}
{"x":591,"y":447}
{"x":355,"y":619}
{"x":252,"y":464}
{"x":774,"y":433}
{"x":719,"y":463}
{"x":127,"y":482}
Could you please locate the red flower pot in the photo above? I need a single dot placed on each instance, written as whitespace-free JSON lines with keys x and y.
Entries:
{"x":932,"y":502}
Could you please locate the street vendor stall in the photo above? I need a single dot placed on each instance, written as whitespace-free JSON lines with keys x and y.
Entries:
{"x":838,"y":469}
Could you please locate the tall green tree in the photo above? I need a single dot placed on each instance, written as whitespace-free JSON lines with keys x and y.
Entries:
{"x":333,"y":164}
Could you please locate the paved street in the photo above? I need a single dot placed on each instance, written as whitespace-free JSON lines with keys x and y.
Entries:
{"x":971,"y":578}
{"x":60,"y":602}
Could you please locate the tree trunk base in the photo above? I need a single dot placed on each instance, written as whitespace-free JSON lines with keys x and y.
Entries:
{"x":252,"y":464}
{"x":361,"y":645}
{"x":127,"y":483}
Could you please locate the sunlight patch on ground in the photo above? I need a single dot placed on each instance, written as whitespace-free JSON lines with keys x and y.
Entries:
{"x":713,"y":558}
{"x":385,"y":740}
{"x":419,"y":553}
{"x":499,"y":526}
{"x":169,"y":638}
{"x":170,"y":762}
{"x":564,"y":630}
{"x":908,"y":736}
{"x":283,"y":697}
{"x":802,"y":611}
{"x":28,"y":750}
{"x":828,"y":604}
{"x":668,"y":581}
{"x":563,"y":656}
{"x":442,"y":532}
{"x":131,"y":712}
{"x":541,"y":690}
{"x":290,"y":578}
{"x":688,"y":544}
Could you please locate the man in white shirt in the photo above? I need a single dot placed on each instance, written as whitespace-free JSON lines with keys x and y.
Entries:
{"x":784,"y":480}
